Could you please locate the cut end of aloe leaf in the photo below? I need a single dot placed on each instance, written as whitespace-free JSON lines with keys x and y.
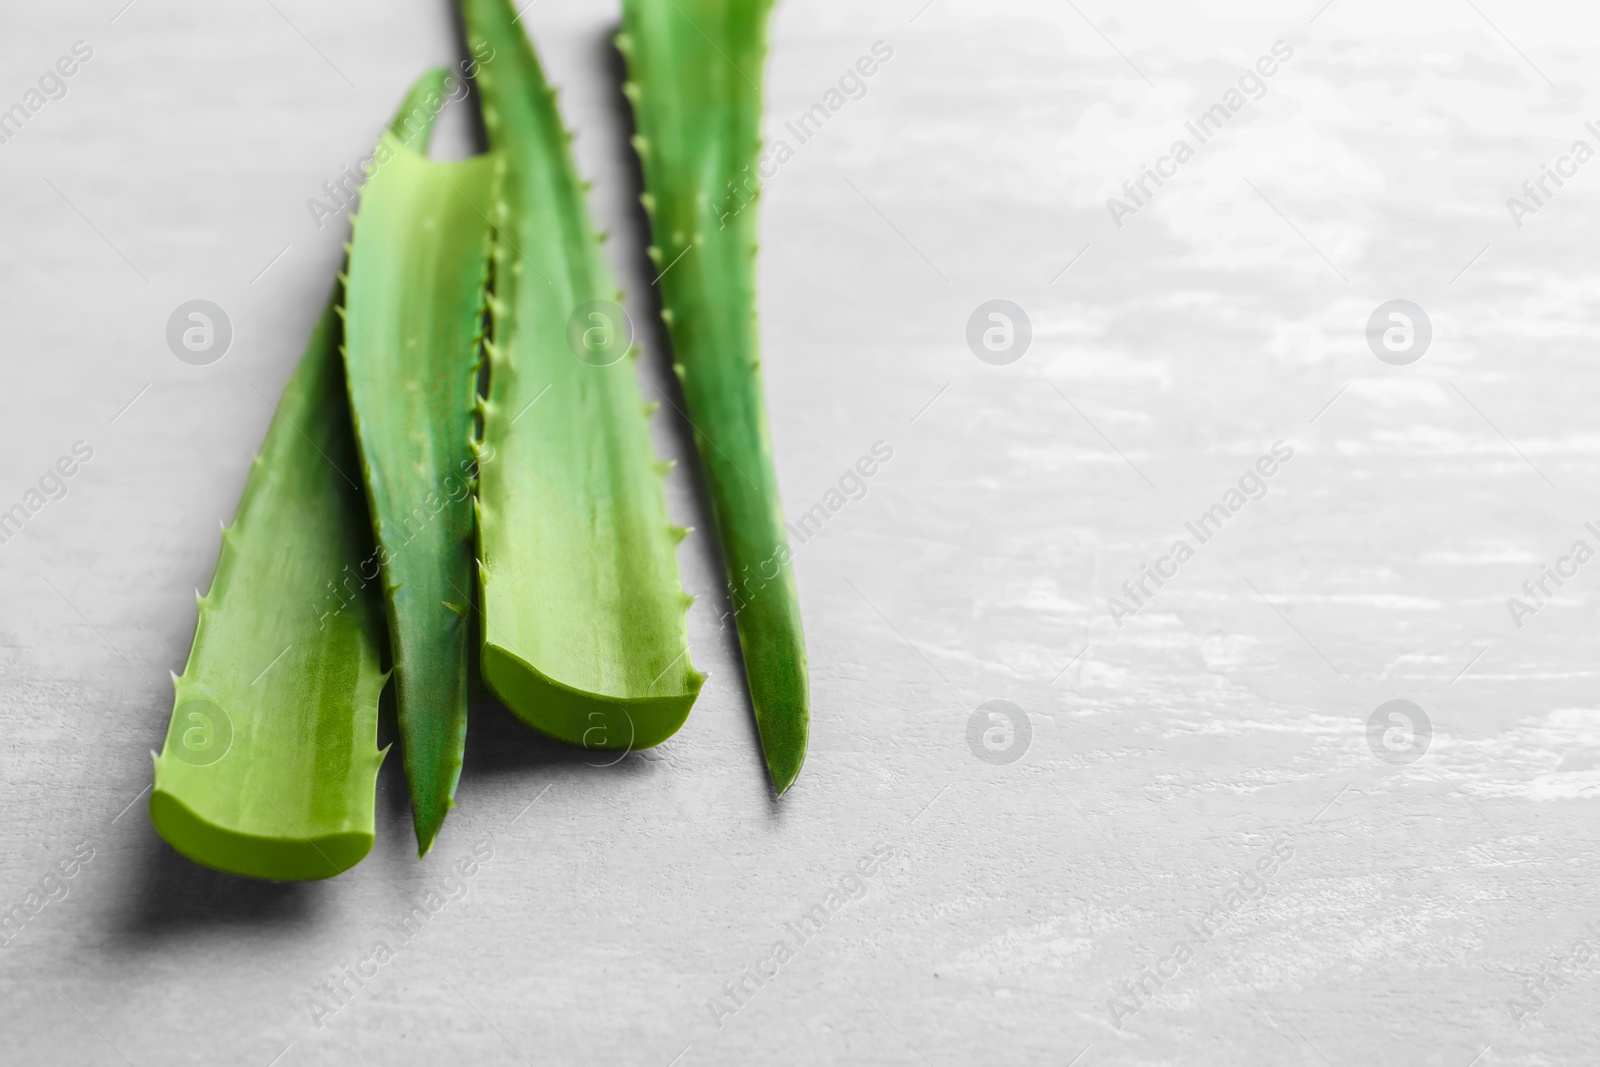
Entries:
{"x":583,"y":718}
{"x":224,"y":848}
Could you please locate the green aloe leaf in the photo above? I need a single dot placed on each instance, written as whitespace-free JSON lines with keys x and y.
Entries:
{"x":414,"y":303}
{"x":695,"y":71}
{"x":271,"y":760}
{"x":270,"y":763}
{"x":585,"y":635}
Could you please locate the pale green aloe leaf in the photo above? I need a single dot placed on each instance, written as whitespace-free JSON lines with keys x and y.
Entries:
{"x":414,"y":305}
{"x":585,"y":635}
{"x":695,"y":69}
{"x":270,"y":763}
{"x":271,"y":760}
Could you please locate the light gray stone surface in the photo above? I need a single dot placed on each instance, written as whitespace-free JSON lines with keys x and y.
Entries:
{"x":1167,"y":755}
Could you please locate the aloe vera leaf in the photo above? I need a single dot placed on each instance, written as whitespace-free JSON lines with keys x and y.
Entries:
{"x":270,"y":763}
{"x":585,"y":629}
{"x":414,"y":301}
{"x":694,"y":80}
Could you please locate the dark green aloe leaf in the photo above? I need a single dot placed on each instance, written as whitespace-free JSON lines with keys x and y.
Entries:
{"x":695,"y":71}
{"x":414,"y":303}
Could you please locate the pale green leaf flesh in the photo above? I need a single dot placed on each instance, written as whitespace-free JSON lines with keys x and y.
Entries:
{"x":695,"y":69}
{"x":414,"y":303}
{"x":270,"y":763}
{"x":585,"y":635}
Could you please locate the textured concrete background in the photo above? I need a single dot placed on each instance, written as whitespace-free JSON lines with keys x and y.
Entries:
{"x":1211,"y":751}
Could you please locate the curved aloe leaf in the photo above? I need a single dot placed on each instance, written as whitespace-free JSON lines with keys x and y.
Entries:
{"x":271,"y":759}
{"x":695,"y":74}
{"x":414,"y":301}
{"x":585,"y":635}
